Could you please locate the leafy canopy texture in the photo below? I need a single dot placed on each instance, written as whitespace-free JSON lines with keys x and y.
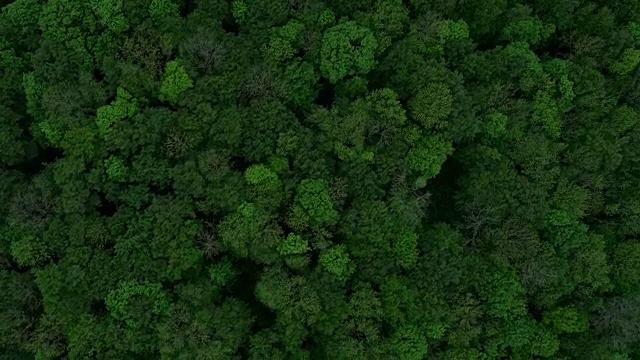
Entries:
{"x":347,"y":49}
{"x":336,"y":261}
{"x":175,"y":82}
{"x":320,"y":180}
{"x":314,"y":200}
{"x":119,"y":300}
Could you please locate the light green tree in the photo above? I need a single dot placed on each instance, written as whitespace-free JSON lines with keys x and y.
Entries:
{"x":30,"y":251}
{"x":175,"y":81}
{"x":118,"y":301}
{"x":427,"y":157}
{"x":347,"y":49}
{"x":293,"y":244}
{"x":409,"y":343}
{"x":566,"y":319}
{"x":405,"y":248}
{"x":111,"y":14}
{"x":116,"y":169}
{"x":431,"y":106}
{"x":222,"y":273}
{"x":239,"y":10}
{"x":313,"y":201}
{"x":337,"y":262}
{"x":160,"y":9}
{"x":124,"y":106}
{"x":628,"y":61}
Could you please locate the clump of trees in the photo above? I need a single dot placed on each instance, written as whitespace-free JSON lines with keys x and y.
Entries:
{"x":306,"y":179}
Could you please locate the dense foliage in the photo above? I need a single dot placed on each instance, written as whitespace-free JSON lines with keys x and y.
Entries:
{"x":307,"y":179}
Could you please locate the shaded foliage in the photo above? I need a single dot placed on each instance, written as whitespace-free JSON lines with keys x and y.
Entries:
{"x":303,"y":179}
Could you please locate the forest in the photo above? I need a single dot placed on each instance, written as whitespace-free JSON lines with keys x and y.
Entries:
{"x":320,"y":179}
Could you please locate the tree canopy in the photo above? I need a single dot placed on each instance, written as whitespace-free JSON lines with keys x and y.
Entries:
{"x":320,"y":179}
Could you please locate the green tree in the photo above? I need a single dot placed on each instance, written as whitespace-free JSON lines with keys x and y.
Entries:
{"x":566,"y":319}
{"x":431,"y":106}
{"x":628,"y":61}
{"x":239,"y":229}
{"x":405,"y":249}
{"x":222,"y":273}
{"x":293,"y":244}
{"x":336,"y":261}
{"x":313,"y":201}
{"x":239,"y":10}
{"x":30,"y":251}
{"x":110,"y":13}
{"x":526,"y":28}
{"x":291,"y":297}
{"x":116,"y":169}
{"x":301,"y":179}
{"x":504,"y":293}
{"x":118,"y":301}
{"x":347,"y":49}
{"x":626,"y":268}
{"x":409,"y":343}
{"x":387,"y":20}
{"x":107,"y":115}
{"x":160,"y":9}
{"x":175,"y":81}
{"x":426,"y":157}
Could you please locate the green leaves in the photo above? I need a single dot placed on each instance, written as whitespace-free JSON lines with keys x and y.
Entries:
{"x":283,"y":42}
{"x":239,"y":229}
{"x":175,"y":81}
{"x":222,"y":273}
{"x":160,"y":9}
{"x":336,"y":261}
{"x":405,"y":249}
{"x":116,"y":169}
{"x":353,"y":128}
{"x":347,"y":49}
{"x":455,"y":30}
{"x":265,"y":187}
{"x":257,"y":191}
{"x":33,"y":90}
{"x":504,"y":293}
{"x":409,"y":343}
{"x":52,"y":132}
{"x":626,"y":268}
{"x":387,"y":19}
{"x":443,"y":32}
{"x":427,"y":157}
{"x":634,"y":29}
{"x":23,"y":14}
{"x":565,"y":231}
{"x":124,"y":106}
{"x":386,"y":109}
{"x":293,"y":245}
{"x":29,"y":251}
{"x":495,"y":125}
{"x":326,"y":18}
{"x":628,"y":61}
{"x":431,"y":106}
{"x":314,"y":201}
{"x":589,"y":265}
{"x":119,"y":301}
{"x":111,"y":14}
{"x":566,"y":319}
{"x":290,"y":296}
{"x":261,"y":175}
{"x":239,"y":10}
{"x":546,"y":113}
{"x":525,"y":64}
{"x":298,"y":81}
{"x":526,"y":28}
